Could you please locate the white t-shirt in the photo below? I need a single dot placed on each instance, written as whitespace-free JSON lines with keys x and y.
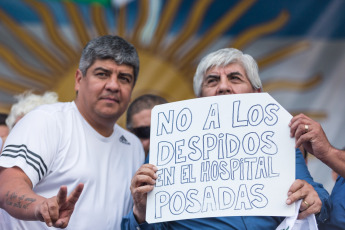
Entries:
{"x":55,"y":146}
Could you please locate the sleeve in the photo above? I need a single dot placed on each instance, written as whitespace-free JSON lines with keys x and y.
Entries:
{"x":32,"y":145}
{"x":129,"y":223}
{"x":303,"y":174}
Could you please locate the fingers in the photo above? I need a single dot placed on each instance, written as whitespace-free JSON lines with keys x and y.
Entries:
{"x":147,"y":169}
{"x":61,"y":224}
{"x":297,"y":125}
{"x":74,"y":196}
{"x":313,"y":207}
{"x":296,"y":192}
{"x":48,"y":211}
{"x":302,"y":128}
{"x":67,"y":205}
{"x":142,"y":183}
{"x":146,"y":175}
{"x":311,"y":203}
{"x":43,"y":214}
{"x":61,"y":196}
{"x":56,"y":211}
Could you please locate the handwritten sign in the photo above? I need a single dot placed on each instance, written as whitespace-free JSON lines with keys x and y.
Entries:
{"x":227,"y":155}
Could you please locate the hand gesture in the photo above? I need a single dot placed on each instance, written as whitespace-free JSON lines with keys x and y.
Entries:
{"x":311,"y":203}
{"x":57,"y":211}
{"x":142,"y":183}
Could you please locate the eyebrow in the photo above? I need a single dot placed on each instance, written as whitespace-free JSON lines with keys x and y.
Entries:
{"x":212,"y":75}
{"x":228,"y":75}
{"x":127,"y":74}
{"x":109,"y":71}
{"x":102,"y":69}
{"x":234,"y":73}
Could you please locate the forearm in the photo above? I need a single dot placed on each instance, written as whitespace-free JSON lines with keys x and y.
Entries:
{"x":303,"y":174}
{"x":17,"y":197}
{"x":335,"y":159}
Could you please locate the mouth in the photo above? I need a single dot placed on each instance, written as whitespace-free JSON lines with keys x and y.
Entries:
{"x":110,"y":99}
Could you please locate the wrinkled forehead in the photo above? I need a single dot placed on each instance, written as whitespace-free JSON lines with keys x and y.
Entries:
{"x":226,"y":69}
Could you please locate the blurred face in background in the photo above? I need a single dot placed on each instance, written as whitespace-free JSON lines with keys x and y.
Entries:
{"x":141,"y":123}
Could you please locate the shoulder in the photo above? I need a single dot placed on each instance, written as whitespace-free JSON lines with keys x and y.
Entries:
{"x":60,"y":107}
{"x":47,"y":117}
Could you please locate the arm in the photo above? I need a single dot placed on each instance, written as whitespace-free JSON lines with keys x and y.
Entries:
{"x":317,"y":200}
{"x":18,"y":199}
{"x":315,"y":141}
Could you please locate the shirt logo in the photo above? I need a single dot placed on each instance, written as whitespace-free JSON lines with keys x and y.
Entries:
{"x":124,"y":140}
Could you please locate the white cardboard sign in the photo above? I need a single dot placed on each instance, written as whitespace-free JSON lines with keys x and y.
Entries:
{"x":228,"y":155}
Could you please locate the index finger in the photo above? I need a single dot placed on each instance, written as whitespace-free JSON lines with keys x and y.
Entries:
{"x":149,"y":166}
{"x":297,"y":117}
{"x":61,"y":196}
{"x":292,"y":193}
{"x":148,"y":170}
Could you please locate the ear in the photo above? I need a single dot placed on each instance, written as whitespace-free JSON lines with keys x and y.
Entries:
{"x":78,"y":78}
{"x":258,"y":90}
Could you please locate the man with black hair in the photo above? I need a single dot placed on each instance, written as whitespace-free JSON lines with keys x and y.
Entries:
{"x":139,"y":117}
{"x":61,"y":147}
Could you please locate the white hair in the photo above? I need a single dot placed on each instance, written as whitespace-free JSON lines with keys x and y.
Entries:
{"x":27,"y":101}
{"x":222,"y":58}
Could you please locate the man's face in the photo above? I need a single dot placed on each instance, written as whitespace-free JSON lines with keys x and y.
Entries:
{"x":231,"y":79}
{"x":141,"y":120}
{"x":105,"y":91}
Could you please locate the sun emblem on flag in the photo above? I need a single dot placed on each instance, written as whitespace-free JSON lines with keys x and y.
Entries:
{"x":48,"y":61}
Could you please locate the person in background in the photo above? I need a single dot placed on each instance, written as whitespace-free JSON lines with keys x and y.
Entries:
{"x":311,"y":135}
{"x":4,"y":130}
{"x":139,"y":118}
{"x":75,"y":146}
{"x":229,"y":71}
{"x":26,"y":102}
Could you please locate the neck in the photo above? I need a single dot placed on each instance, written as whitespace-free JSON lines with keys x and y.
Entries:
{"x":103,"y":126}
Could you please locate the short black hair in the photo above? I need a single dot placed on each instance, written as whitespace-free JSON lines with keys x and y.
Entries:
{"x":146,"y":101}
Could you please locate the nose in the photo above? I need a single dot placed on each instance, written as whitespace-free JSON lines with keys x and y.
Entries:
{"x":112,"y":84}
{"x":224,"y":86}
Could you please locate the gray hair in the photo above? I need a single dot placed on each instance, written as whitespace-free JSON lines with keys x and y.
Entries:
{"x":27,"y":101}
{"x":146,"y":101}
{"x":224,"y":57}
{"x":109,"y":47}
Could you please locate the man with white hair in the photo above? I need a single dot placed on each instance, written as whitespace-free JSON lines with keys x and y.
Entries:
{"x":27,"y":101}
{"x":229,"y":71}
